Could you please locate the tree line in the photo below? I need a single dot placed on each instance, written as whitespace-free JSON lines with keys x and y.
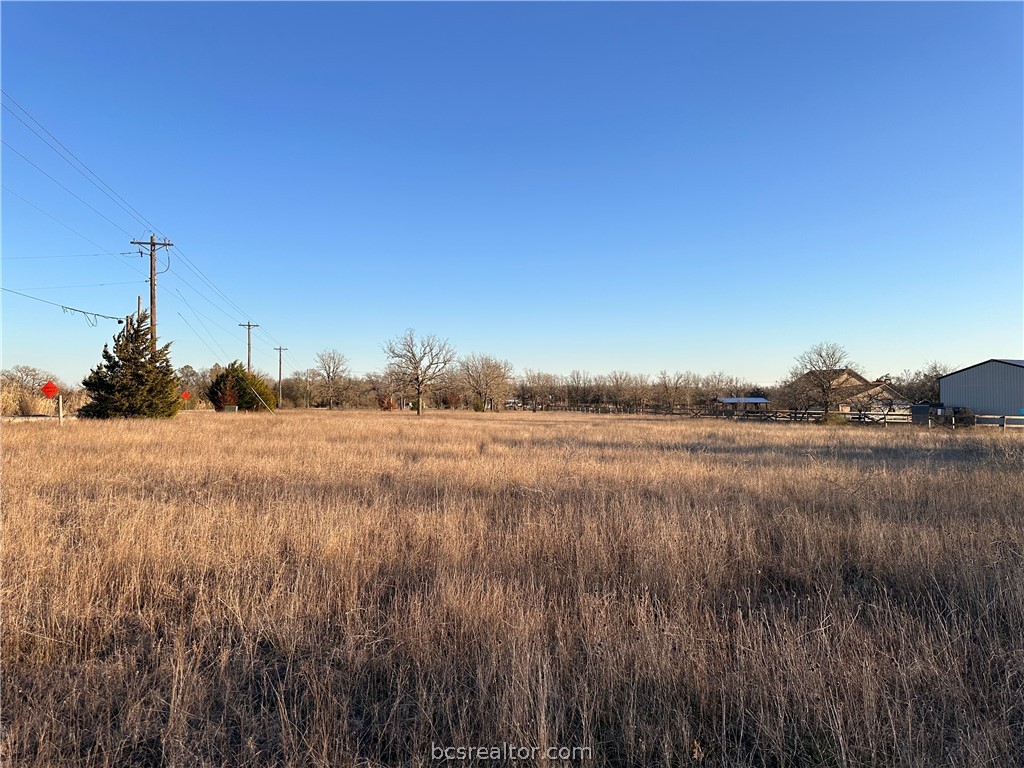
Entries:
{"x":426,"y":372}
{"x":422,"y":371}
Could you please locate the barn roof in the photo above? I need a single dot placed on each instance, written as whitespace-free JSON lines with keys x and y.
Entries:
{"x":735,"y":400}
{"x":1017,"y":363}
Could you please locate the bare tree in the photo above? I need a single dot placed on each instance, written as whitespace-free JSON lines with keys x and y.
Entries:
{"x":333,"y":369}
{"x":20,"y":389}
{"x":670,"y":389}
{"x":488,"y":379}
{"x":921,"y":386}
{"x":616,"y":388}
{"x":579,"y":388}
{"x":419,"y":362}
{"x":819,"y":376}
{"x":639,"y":392}
{"x":27,"y":377}
{"x":386,"y":388}
{"x":538,"y":389}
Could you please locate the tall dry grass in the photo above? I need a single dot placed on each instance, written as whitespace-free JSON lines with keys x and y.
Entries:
{"x":360,"y":588}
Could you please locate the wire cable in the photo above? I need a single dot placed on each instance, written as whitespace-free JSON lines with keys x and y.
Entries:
{"x":65,"y":256}
{"x":66,"y":308}
{"x":199,"y":314}
{"x":87,"y":205}
{"x":125,"y":206}
{"x":203,"y":296}
{"x":91,"y":285}
{"x":251,"y":389}
{"x":225,"y":354}
{"x":121,"y":202}
{"x":50,"y":215}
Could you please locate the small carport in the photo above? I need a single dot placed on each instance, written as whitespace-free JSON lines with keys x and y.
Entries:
{"x":742,"y":404}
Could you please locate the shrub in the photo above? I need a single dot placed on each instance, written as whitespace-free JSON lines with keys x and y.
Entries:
{"x":235,"y":386}
{"x":833,"y":419}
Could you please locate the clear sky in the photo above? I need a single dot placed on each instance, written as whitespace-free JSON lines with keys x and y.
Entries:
{"x":601,"y":186}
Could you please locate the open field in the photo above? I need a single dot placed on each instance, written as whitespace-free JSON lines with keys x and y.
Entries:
{"x":340,"y":589}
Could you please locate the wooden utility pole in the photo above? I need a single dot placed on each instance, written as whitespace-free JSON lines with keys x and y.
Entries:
{"x":279,"y":351}
{"x":153,"y":245}
{"x":248,"y":358}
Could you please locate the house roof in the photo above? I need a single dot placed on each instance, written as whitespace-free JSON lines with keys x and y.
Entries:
{"x":855,"y":386}
{"x":735,"y":400}
{"x":1017,"y":363}
{"x":837,"y":373}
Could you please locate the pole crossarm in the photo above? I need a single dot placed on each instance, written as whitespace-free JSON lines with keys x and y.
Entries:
{"x":153,"y":245}
{"x":248,"y":359}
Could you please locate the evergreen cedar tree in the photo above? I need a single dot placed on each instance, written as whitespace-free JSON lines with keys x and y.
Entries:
{"x":236,"y":386}
{"x":134,"y":380}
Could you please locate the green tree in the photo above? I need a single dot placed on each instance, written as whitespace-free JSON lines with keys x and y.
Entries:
{"x":236,"y":386}
{"x":134,"y":380}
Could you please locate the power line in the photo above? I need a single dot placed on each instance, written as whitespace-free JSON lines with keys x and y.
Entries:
{"x":65,"y":256}
{"x":120,"y":201}
{"x":225,"y":354}
{"x":199,"y":315}
{"x":202,"y":295}
{"x":83,"y":202}
{"x":50,"y":215}
{"x":91,"y":285}
{"x":124,"y":205}
{"x":66,"y":308}
{"x":199,"y":273}
{"x":244,"y":382}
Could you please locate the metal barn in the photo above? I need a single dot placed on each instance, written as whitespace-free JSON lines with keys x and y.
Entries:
{"x":994,"y":387}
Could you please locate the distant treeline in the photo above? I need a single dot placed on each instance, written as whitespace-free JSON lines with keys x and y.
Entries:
{"x":427,"y":368}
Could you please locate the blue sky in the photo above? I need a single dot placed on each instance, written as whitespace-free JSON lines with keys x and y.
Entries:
{"x":702,"y":186}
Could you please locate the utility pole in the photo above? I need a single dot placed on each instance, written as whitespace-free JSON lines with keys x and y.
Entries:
{"x":248,"y":359}
{"x":153,"y":245}
{"x":279,"y":351}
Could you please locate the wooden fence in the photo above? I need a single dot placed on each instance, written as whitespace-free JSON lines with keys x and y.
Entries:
{"x":710,"y":412}
{"x":859,"y":417}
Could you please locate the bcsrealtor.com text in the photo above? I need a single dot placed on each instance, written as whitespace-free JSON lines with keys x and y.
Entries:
{"x":505,"y":752}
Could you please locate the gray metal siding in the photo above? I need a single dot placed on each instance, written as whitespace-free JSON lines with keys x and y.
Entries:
{"x":992,"y":388}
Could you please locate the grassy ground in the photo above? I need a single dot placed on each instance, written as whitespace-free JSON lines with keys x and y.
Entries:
{"x":340,"y":589}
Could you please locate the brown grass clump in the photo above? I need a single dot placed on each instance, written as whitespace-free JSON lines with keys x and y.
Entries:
{"x":366,"y":588}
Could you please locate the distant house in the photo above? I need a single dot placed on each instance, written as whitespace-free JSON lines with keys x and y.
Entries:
{"x":994,"y":387}
{"x":848,"y":391}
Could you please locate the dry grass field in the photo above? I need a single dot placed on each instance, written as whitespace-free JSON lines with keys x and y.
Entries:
{"x":343,"y":589}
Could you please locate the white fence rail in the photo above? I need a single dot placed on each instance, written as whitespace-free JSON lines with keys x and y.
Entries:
{"x":1002,"y":422}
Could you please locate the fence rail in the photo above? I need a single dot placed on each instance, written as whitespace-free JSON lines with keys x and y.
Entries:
{"x":1002,"y":422}
{"x":711,"y":412}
